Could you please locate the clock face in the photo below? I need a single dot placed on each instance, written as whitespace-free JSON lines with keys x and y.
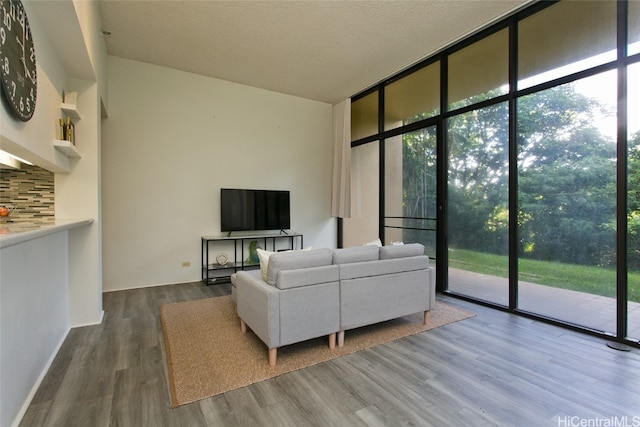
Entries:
{"x":17,"y":59}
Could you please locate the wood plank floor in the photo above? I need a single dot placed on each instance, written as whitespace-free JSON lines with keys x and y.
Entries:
{"x":494,"y":369}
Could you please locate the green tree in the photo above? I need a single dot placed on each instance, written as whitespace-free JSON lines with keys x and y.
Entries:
{"x":478,"y":179}
{"x":566,"y":180}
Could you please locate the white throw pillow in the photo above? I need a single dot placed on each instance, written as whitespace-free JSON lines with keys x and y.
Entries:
{"x":376,"y":242}
{"x":264,"y":262}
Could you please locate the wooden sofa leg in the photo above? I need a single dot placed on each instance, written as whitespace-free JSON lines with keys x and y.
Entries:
{"x":243,"y":326}
{"x":332,"y":341}
{"x":426,"y":316}
{"x":273,"y":355}
{"x":341,"y":339}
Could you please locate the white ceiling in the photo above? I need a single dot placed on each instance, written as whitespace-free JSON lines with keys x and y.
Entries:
{"x":320,"y":50}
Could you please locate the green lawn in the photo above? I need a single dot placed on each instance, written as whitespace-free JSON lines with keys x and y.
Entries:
{"x":593,"y":280}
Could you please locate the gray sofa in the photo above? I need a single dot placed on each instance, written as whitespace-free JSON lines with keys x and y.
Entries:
{"x":324,"y":292}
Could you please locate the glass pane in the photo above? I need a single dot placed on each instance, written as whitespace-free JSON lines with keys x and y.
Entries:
{"x":562,"y":39}
{"x":362,"y":227}
{"x":633,"y":202}
{"x":634,"y":28}
{"x":567,"y":202}
{"x":364,"y":117}
{"x":479,"y":71}
{"x":410,"y":189}
{"x":478,"y":204}
{"x":413,"y":98}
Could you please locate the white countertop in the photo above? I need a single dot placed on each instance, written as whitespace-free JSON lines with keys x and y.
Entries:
{"x":13,"y":233}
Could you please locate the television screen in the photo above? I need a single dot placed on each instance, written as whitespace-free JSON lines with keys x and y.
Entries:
{"x":245,"y":210}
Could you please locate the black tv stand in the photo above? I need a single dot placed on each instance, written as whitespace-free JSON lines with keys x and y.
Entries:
{"x":217,"y":270}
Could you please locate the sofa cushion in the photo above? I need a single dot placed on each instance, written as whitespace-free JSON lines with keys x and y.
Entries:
{"x":294,"y":260}
{"x":264,"y":259}
{"x":383,"y":267}
{"x":401,"y":251}
{"x":355,"y":254}
{"x":288,"y":279}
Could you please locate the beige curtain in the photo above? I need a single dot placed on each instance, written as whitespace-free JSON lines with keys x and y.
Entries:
{"x":341,"y":183}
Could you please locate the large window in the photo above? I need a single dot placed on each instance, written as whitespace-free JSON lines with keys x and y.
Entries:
{"x":364,"y":117}
{"x":568,"y":37}
{"x":479,"y":71}
{"x":505,"y":154}
{"x":634,"y":28}
{"x":413,"y":97}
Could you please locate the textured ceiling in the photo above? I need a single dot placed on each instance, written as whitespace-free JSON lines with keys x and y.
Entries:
{"x":320,"y":50}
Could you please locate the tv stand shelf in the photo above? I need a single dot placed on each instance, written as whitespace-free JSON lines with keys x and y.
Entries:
{"x":214,"y":273}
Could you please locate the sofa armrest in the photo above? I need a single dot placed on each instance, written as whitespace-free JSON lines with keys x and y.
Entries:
{"x":259,"y":306}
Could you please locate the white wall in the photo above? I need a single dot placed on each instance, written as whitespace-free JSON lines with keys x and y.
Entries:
{"x":173,"y":139}
{"x":77,"y":195}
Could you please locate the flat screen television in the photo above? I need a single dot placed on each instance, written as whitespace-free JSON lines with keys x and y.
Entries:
{"x":247,"y":210}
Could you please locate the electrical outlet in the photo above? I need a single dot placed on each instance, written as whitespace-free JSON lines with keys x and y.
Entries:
{"x":186,"y":263}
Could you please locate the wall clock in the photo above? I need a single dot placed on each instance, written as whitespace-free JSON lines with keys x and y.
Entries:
{"x":17,"y":60}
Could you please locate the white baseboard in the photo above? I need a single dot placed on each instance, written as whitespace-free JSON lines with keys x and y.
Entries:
{"x":98,"y":322}
{"x":105,"y":291}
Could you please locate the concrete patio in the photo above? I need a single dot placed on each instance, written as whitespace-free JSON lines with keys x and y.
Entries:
{"x":593,"y":311}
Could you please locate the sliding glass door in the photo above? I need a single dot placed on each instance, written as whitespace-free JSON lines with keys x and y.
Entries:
{"x":478,"y":204}
{"x":410,"y":189}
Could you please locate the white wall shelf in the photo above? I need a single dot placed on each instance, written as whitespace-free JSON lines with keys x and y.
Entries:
{"x":67,"y":148}
{"x":70,"y":110}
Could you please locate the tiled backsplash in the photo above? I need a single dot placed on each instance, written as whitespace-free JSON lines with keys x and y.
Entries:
{"x":30,"y":191}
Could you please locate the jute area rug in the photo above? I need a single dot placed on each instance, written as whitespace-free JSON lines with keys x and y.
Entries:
{"x":207,"y":353}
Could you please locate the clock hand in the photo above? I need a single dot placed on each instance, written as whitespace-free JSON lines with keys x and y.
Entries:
{"x":23,"y":32}
{"x":21,"y":43}
{"x":24,"y":65}
{"x":27,"y":73}
{"x":24,"y":59}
